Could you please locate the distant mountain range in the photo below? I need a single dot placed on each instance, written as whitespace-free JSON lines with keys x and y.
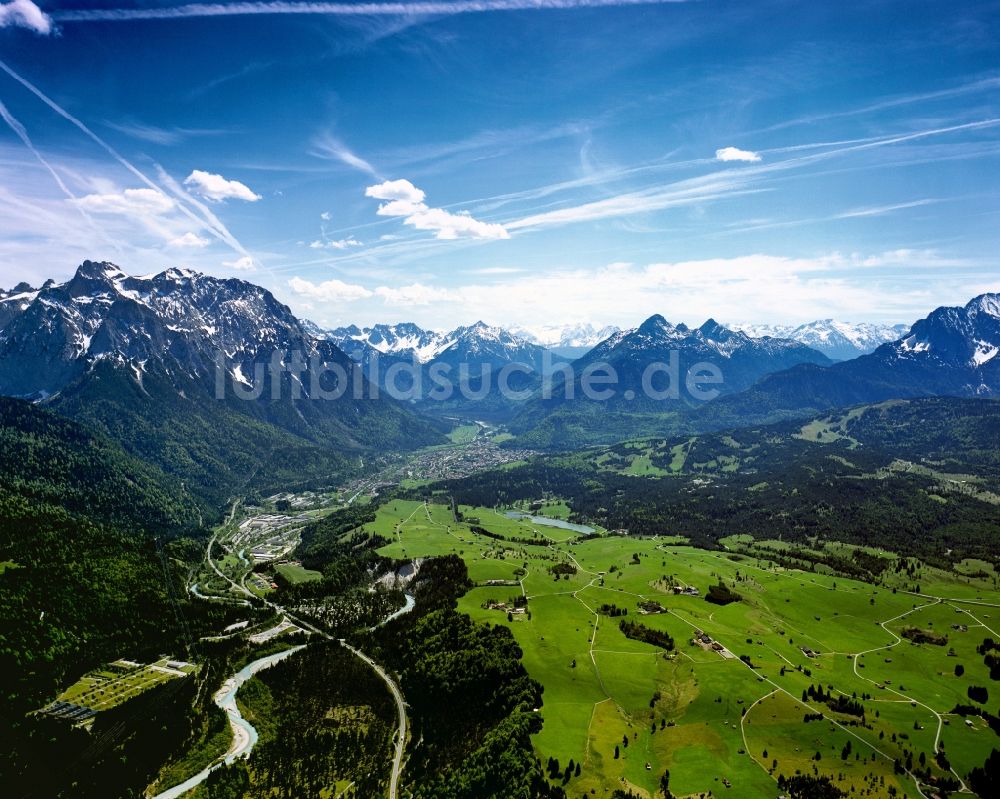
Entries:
{"x":952,"y":352}
{"x":648,"y":361}
{"x":570,"y":341}
{"x":463,"y":354}
{"x":742,"y":360}
{"x":477,"y":343}
{"x":142,"y":358}
{"x":477,"y":346}
{"x":839,"y":341}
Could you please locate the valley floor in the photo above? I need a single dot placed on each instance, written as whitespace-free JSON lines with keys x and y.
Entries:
{"x":627,"y":711}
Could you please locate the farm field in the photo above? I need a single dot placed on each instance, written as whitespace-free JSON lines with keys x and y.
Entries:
{"x":114,"y":684}
{"x":296,"y":573}
{"x":731,"y":708}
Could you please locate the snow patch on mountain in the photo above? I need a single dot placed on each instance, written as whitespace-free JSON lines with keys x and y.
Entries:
{"x":984,"y":352}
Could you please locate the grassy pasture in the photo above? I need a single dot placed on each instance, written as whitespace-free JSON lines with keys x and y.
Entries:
{"x":296,"y":573}
{"x":705,"y":717}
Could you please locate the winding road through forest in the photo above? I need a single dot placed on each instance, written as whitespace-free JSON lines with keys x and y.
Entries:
{"x":397,"y":694}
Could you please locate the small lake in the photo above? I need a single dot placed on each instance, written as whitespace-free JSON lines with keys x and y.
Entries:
{"x":545,"y":521}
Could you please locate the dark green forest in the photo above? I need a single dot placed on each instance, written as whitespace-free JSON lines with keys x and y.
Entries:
{"x":852,"y":486}
{"x":93,"y":545}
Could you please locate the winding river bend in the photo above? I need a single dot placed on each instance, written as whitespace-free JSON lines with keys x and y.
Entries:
{"x":244,"y":734}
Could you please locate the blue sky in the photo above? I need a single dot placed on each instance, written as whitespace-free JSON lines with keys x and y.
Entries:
{"x":441,"y":162}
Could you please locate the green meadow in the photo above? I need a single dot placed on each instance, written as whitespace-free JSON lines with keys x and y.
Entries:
{"x":627,"y":711}
{"x":296,"y":573}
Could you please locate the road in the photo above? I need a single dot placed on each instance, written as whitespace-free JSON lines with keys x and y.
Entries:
{"x":397,"y":694}
{"x":397,"y":761}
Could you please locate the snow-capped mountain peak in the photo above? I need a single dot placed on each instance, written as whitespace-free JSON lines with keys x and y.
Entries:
{"x":405,"y":340}
{"x":566,"y":339}
{"x":837,"y":340}
{"x":966,"y":336}
{"x":988,"y":304}
{"x":177,"y":321}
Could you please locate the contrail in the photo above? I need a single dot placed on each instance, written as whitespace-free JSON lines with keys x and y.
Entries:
{"x":397,"y":9}
{"x":22,"y":134}
{"x":217,"y":229}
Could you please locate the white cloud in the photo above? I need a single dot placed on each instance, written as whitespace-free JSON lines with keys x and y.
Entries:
{"x":406,"y":200}
{"x":396,"y":190}
{"x":25,"y":14}
{"x":334,"y":290}
{"x":243,"y":264}
{"x":447,"y":225}
{"x":736,"y":154}
{"x":414,"y":294}
{"x":911,"y":258}
{"x":688,"y":291}
{"x":328,"y":291}
{"x":340,"y":244}
{"x":400,"y":208}
{"x":756,"y":286}
{"x":206,"y":217}
{"x":216,"y":188}
{"x":131,"y":202}
{"x":499,"y":270}
{"x":189,"y":240}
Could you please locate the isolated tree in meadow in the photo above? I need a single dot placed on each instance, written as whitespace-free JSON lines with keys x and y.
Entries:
{"x":665,"y":785}
{"x":978,"y":693}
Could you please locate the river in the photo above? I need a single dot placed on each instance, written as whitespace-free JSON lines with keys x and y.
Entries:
{"x":244,"y":734}
{"x":410,"y":604}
